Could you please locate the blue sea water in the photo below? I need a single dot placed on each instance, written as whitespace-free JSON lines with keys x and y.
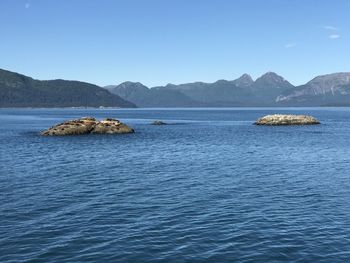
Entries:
{"x":209,"y":187}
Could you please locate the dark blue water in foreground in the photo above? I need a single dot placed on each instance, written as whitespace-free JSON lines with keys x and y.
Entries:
{"x":211,"y":187}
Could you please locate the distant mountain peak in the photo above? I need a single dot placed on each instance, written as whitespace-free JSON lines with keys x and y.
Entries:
{"x":273,"y":79}
{"x":324,"y":90}
{"x":246,"y":76}
{"x":132,"y":83}
{"x":340,"y":77}
{"x":126,"y":85}
{"x":243,"y":81}
{"x":270,"y":73}
{"x":271,"y":76}
{"x":221,"y":81}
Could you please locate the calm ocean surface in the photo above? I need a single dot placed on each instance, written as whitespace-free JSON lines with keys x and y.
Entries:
{"x":210,"y":187}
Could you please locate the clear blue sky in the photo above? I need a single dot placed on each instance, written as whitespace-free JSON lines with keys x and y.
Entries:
{"x":174,"y":41}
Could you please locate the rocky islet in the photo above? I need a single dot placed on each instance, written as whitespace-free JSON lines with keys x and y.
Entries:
{"x":88,"y":125}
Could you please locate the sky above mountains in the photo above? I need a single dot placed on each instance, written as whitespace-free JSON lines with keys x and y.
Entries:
{"x":158,"y":42}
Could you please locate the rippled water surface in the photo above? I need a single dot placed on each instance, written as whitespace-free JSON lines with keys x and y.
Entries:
{"x":209,"y":187}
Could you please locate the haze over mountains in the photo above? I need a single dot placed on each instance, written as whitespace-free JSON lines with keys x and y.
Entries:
{"x":270,"y":89}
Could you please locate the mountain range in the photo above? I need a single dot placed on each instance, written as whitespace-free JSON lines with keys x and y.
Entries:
{"x":270,"y":89}
{"x":17,"y":90}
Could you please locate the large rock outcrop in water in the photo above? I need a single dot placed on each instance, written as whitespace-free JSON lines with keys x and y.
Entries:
{"x":286,"y":119}
{"x":88,"y":125}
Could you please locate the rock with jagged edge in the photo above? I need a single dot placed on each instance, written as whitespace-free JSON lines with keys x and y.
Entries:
{"x":88,"y":125}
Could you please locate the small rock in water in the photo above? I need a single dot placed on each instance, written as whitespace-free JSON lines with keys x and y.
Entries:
{"x":286,"y":119}
{"x":158,"y":123}
{"x":87,"y":125}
